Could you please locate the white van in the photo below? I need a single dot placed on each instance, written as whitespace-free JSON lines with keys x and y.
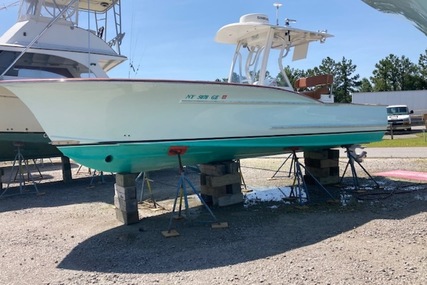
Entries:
{"x":399,"y":117}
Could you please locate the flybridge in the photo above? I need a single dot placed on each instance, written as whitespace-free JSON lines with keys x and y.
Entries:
{"x":69,"y":12}
{"x":54,"y":27}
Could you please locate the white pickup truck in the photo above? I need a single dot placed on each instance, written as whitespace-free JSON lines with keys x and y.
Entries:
{"x":399,"y":117}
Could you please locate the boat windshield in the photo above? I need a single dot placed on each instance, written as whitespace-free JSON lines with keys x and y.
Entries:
{"x":33,"y":65}
{"x":49,"y":9}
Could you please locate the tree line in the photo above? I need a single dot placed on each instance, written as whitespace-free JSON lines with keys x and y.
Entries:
{"x":392,"y":73}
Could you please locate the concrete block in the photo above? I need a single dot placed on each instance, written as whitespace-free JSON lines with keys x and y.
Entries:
{"x":320,"y":154}
{"x":130,"y":205}
{"x":203,"y":179}
{"x":125,"y":193}
{"x":67,"y":177}
{"x":322,"y":180}
{"x":321,"y":163}
{"x":334,"y":171}
{"x":323,"y":154}
{"x":334,"y":154}
{"x":126,"y":179}
{"x":127,"y":218}
{"x":318,"y":172}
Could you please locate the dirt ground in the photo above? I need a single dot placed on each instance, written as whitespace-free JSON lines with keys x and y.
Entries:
{"x":69,"y":234}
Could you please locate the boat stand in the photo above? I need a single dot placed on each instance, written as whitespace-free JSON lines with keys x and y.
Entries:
{"x":145,"y":180}
{"x":299,"y":184}
{"x":182,"y":194}
{"x":350,"y":162}
{"x":283,"y":164}
{"x":242,"y":179}
{"x":19,"y":162}
{"x":80,"y":168}
{"x":94,"y":175}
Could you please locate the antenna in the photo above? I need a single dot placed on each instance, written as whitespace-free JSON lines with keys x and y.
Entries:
{"x":289,"y":21}
{"x":5,"y":6}
{"x":277,"y":5}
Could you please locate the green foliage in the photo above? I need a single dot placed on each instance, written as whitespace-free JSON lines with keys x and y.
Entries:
{"x":390,"y":74}
{"x":394,"y":74}
{"x":365,"y":85}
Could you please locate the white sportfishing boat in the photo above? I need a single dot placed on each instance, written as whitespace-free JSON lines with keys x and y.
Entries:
{"x":138,"y":125}
{"x":53,"y":39}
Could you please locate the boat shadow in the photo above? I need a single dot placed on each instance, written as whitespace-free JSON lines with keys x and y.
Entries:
{"x":262,"y":231}
{"x":259,"y":232}
{"x":49,"y":191}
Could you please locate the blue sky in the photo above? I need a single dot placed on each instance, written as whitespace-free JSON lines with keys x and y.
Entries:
{"x":175,"y":39}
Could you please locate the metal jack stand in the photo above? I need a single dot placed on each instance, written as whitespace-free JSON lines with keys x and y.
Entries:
{"x":19,"y":158}
{"x":181,"y":192}
{"x":300,"y":181}
{"x":351,"y":160}
{"x":94,"y":175}
{"x":290,"y":169}
{"x":145,"y":180}
{"x":242,"y":179}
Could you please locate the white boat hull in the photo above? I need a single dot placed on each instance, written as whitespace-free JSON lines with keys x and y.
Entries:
{"x":107,"y":116}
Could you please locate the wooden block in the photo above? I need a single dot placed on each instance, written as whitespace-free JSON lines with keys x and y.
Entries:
{"x":217,"y":181}
{"x":127,"y":218}
{"x":219,"y":225}
{"x":304,"y":82}
{"x":213,"y":169}
{"x":232,"y":167}
{"x":170,"y":233}
{"x":230,"y":199}
{"x":213,"y":191}
{"x":234,"y":188}
{"x":125,"y":193}
{"x":126,"y":179}
{"x":130,"y":205}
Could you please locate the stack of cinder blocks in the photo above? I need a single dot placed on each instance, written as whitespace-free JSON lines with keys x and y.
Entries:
{"x":125,"y":199}
{"x":323,"y":165}
{"x":221,"y":183}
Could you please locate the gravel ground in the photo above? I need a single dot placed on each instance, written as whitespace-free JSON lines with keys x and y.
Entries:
{"x":68,"y":234}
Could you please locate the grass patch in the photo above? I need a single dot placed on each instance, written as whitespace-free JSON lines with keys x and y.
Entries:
{"x":401,"y":141}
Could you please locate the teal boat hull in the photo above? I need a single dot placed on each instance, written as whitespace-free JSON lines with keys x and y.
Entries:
{"x":131,"y":157}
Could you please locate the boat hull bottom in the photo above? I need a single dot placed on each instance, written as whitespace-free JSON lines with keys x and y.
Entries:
{"x":135,"y":157}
